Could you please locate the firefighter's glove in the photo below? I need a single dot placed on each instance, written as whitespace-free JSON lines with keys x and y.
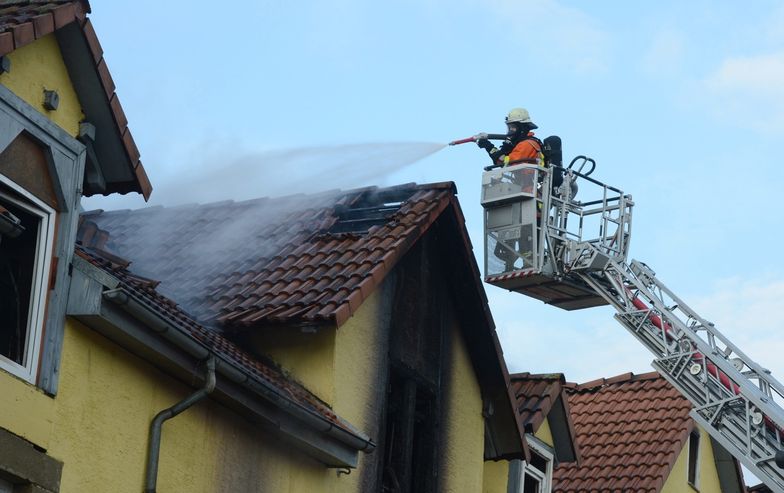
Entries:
{"x":485,"y":144}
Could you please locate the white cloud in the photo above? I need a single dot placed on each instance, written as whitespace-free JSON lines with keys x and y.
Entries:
{"x":749,"y":90}
{"x":763,"y":73}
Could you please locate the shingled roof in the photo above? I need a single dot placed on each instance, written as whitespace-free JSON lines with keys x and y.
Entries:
{"x":536,"y":395}
{"x":630,"y":430}
{"x":295,"y":260}
{"x":22,"y":22}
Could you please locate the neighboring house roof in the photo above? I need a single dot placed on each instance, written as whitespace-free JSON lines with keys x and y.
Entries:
{"x":21,"y":23}
{"x":539,"y":398}
{"x":310,"y":260}
{"x":630,"y":430}
{"x":536,"y":395}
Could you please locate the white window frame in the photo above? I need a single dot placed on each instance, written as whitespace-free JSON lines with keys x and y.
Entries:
{"x":545,"y":478}
{"x":529,"y":470}
{"x":696,"y":484}
{"x":28,"y":370}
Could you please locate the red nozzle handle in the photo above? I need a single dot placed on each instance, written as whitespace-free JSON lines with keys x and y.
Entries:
{"x":463,"y":141}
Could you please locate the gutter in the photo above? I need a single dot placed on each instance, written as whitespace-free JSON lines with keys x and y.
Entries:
{"x":228,"y":369}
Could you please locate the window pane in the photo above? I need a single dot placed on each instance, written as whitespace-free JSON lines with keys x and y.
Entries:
{"x":538,"y":461}
{"x":694,"y":452}
{"x":531,"y":484}
{"x":18,"y":246}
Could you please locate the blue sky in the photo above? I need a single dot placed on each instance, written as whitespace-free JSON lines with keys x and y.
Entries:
{"x":681,"y":104}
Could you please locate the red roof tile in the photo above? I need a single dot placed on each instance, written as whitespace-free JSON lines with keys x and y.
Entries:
{"x":39,"y":17}
{"x":630,"y":430}
{"x":145,"y":290}
{"x":535,"y":395}
{"x":24,"y":21}
{"x":268,"y":261}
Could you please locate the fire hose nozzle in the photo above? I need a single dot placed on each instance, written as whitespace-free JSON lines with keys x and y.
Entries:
{"x":463,"y":141}
{"x":479,"y":136}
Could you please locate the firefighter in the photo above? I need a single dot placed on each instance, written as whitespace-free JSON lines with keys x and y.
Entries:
{"x":520,"y":145}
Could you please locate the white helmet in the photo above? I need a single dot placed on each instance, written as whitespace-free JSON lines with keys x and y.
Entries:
{"x":518,"y":115}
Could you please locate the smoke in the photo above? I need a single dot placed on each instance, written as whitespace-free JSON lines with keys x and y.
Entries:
{"x":249,"y":174}
{"x":194,"y":249}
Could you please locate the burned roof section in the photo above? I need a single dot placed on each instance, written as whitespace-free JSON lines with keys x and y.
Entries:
{"x":371,"y":209}
{"x":302,"y":259}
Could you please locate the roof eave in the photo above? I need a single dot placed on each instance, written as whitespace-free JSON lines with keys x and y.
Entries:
{"x":115,"y":148}
{"x":116,"y":157}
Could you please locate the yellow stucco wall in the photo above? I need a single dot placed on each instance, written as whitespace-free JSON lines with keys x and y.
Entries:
{"x":356,"y":363}
{"x":545,"y":434}
{"x":40,"y":66}
{"x":342,"y":367}
{"x":98,"y":424}
{"x":495,"y":476}
{"x":326,"y":360}
{"x":463,"y":454}
{"x":358,"y":375}
{"x":709,"y":479}
{"x":35,"y":422}
{"x":307,"y":357}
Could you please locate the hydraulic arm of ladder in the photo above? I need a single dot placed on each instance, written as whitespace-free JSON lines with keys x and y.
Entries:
{"x":737,"y":401}
{"x":579,"y":259}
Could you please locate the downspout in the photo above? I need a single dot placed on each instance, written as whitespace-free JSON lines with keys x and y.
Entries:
{"x":154,"y":446}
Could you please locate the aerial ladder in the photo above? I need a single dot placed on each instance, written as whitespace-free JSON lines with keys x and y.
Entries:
{"x":541,"y":241}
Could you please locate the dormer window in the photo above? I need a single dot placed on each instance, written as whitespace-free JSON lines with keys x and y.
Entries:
{"x":26,"y":240}
{"x":536,"y":476}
